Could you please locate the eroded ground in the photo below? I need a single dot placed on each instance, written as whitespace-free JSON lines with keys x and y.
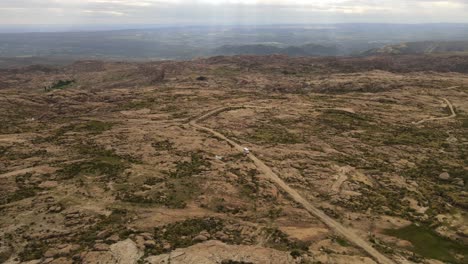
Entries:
{"x":99,"y":163}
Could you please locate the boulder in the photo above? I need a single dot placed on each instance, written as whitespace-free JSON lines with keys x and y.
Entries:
{"x":126,"y":252}
{"x":150,"y":243}
{"x":212,"y":252}
{"x":200,"y":238}
{"x":444,"y":176}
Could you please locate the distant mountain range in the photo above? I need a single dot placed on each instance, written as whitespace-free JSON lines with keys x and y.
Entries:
{"x":423,"y":47}
{"x":185,"y":43}
{"x":260,"y":49}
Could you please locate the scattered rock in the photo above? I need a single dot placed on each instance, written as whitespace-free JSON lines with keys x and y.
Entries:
{"x":48,"y":260}
{"x":200,"y":238}
{"x":140,"y":242}
{"x":113,"y":238}
{"x":212,"y":252}
{"x":55,"y":209}
{"x":101,"y":247}
{"x":147,"y":236}
{"x":103,"y":234}
{"x":61,"y":250}
{"x":48,"y":184}
{"x":463,"y":231}
{"x":459,"y":182}
{"x":101,"y":257}
{"x":166,"y":245}
{"x":444,"y":176}
{"x":205,"y":233}
{"x":221,"y":236}
{"x":62,"y":260}
{"x":150,"y":243}
{"x":404,"y":243}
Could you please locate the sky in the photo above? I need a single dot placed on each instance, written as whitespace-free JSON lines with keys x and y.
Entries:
{"x":191,"y":12}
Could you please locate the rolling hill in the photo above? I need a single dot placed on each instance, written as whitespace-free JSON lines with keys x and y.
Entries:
{"x":424,"y":47}
{"x":260,"y":49}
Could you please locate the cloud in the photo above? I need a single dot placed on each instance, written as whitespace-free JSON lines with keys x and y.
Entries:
{"x":230,"y":11}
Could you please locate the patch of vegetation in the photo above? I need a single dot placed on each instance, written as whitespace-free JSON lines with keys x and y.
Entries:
{"x":411,"y":135}
{"x":341,"y":241}
{"x":174,"y":193}
{"x":10,"y":154}
{"x":268,"y":134}
{"x":274,"y":213}
{"x":431,"y":168}
{"x":115,"y":223}
{"x":368,"y":161}
{"x":439,"y":191}
{"x":465,"y":123}
{"x":195,"y":166}
{"x":18,"y":195}
{"x":429,"y":244}
{"x":153,"y":180}
{"x":280,"y":241}
{"x":226,"y":71}
{"x":164,"y":145}
{"x":25,"y":190}
{"x":103,"y":163}
{"x":94,"y":126}
{"x":4,"y":150}
{"x":136,"y":105}
{"x":345,"y":121}
{"x":60,"y":84}
{"x":180,"y":114}
{"x":7,"y":252}
{"x":379,"y":201}
{"x":182,"y":234}
{"x":249,"y":184}
{"x":33,"y":250}
{"x":235,"y":262}
{"x":110,"y":168}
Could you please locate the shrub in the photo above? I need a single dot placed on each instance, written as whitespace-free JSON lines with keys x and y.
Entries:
{"x":189,"y":168}
{"x":61,"y":84}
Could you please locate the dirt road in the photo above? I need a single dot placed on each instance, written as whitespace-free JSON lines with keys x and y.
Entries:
{"x":262,"y":167}
{"x":453,"y":115}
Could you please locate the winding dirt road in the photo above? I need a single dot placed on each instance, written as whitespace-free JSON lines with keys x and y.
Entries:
{"x":330,"y":222}
{"x":453,"y":115}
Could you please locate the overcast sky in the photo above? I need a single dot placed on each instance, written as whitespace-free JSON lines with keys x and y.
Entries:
{"x":81,"y":12}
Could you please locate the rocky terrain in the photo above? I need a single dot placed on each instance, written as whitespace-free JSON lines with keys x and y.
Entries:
{"x":351,"y":160}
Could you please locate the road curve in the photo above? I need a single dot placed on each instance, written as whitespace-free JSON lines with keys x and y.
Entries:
{"x":453,"y":114}
{"x":330,"y":222}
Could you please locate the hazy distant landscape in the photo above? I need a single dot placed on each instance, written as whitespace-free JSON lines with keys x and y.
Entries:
{"x":181,"y":43}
